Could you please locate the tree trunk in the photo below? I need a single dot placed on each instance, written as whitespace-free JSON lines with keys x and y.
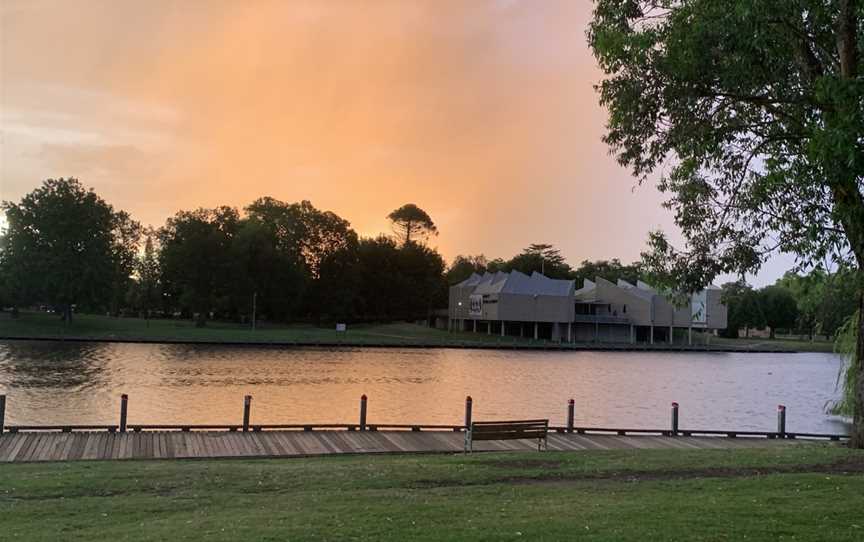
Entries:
{"x":858,"y":405}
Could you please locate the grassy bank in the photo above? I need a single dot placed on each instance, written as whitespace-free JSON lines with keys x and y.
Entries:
{"x":799,"y":345}
{"x":40,"y":324}
{"x":804,"y":493}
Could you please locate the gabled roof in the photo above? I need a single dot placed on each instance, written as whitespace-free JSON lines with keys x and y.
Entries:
{"x":518,"y":283}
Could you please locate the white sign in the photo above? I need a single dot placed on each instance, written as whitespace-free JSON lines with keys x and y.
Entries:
{"x":476,"y":308}
{"x":699,"y":307}
{"x":340,"y":327}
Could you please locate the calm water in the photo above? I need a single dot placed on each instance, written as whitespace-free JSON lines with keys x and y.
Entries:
{"x":53,"y":383}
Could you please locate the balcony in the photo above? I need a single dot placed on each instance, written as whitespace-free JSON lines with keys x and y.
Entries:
{"x":600,"y":319}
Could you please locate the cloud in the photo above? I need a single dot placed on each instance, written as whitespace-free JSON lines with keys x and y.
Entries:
{"x":481,"y":112}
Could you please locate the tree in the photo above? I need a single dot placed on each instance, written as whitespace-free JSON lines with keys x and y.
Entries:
{"x":195,"y":258}
{"x":302,"y":229}
{"x":276,"y":279}
{"x":411,"y":224}
{"x":756,"y":112}
{"x":744,"y":309}
{"x":424,"y":286}
{"x":542,"y":258}
{"x":380,"y":284}
{"x":336,"y":291}
{"x":66,"y":246}
{"x":124,"y":247}
{"x":397,"y":282}
{"x":147,"y":270}
{"x":838,"y":301}
{"x":464,"y":266}
{"x":539,"y":257}
{"x":608,"y":269}
{"x":809,"y":293}
{"x":779,"y":307}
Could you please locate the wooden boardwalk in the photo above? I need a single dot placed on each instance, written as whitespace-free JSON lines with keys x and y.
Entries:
{"x":92,"y":445}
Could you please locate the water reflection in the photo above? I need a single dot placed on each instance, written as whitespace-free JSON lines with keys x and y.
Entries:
{"x":81,"y":383}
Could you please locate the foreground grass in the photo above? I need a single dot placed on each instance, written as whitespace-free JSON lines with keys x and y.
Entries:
{"x":620,"y":495}
{"x":40,"y":324}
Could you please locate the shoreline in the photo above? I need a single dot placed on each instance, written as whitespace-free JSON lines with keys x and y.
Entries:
{"x":575,"y":347}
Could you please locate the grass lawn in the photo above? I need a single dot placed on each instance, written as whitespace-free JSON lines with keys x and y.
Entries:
{"x":808,"y":492}
{"x":779,"y":344}
{"x":40,"y":324}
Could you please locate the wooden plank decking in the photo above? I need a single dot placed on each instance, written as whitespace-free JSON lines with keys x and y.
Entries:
{"x":92,"y":445}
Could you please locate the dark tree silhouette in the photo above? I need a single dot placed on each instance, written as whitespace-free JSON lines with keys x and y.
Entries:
{"x":411,"y":224}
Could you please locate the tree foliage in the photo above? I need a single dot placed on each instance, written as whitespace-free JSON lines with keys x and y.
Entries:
{"x":411,"y":224}
{"x":65,"y":246}
{"x":744,"y":309}
{"x":779,"y":307}
{"x":464,"y":266}
{"x":612,"y":270}
{"x":196,"y":272}
{"x":755,"y":111}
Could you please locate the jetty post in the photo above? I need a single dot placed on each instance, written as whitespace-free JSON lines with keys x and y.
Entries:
{"x":781,"y":421}
{"x":468,"y":407}
{"x":363,"y":412}
{"x":571,"y":410}
{"x":247,"y":407}
{"x":2,"y":412}
{"x":674,"y":419}
{"x":124,"y":407}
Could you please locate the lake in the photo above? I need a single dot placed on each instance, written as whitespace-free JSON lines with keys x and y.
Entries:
{"x":81,"y":383}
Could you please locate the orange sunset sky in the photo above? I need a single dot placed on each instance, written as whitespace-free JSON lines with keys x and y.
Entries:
{"x":480,"y":111}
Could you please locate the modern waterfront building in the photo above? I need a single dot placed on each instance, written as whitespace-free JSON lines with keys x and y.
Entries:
{"x":600,"y":311}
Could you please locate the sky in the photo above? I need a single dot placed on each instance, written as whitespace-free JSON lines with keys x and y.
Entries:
{"x":483,"y":113}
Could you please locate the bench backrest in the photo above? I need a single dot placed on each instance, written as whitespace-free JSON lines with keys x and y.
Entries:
{"x":511,"y":429}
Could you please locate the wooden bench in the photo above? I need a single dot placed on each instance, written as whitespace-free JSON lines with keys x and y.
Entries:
{"x":507,"y":430}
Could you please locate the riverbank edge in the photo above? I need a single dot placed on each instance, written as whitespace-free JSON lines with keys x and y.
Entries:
{"x":575,"y":347}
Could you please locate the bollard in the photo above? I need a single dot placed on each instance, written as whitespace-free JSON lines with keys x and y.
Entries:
{"x":2,"y":412}
{"x":124,"y":404}
{"x":571,"y":409}
{"x":674,"y":419}
{"x":468,"y":405}
{"x":781,"y":421}
{"x":363,"y":412}
{"x":247,"y":406}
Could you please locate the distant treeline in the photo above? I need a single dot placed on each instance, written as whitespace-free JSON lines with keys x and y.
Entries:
{"x":65,"y":247}
{"x":817,"y":303}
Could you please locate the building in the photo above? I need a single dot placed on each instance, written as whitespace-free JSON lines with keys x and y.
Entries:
{"x":515,"y":304}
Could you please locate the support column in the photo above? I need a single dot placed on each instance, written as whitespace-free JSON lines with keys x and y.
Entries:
{"x":671,"y":335}
{"x":596,"y":332}
{"x":690,"y":336}
{"x":502,"y":328}
{"x":632,"y":334}
{"x":489,"y":327}
{"x":569,"y":332}
{"x":475,"y":326}
{"x":536,"y":335}
{"x":521,"y":329}
{"x":651,"y":340}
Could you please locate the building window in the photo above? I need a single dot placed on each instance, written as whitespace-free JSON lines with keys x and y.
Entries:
{"x":625,"y":309}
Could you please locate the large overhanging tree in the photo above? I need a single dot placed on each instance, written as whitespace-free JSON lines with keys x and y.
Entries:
{"x":752,"y":114}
